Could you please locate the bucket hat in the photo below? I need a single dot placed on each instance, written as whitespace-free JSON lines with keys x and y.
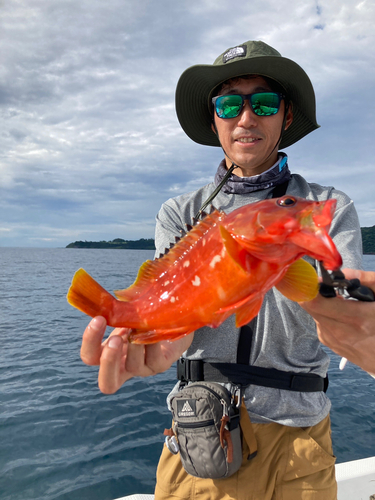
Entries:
{"x":196,"y":85}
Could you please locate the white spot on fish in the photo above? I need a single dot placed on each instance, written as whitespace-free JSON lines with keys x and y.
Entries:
{"x":215,"y":260}
{"x":186,"y":263}
{"x":203,"y":242}
{"x":196,"y":281}
{"x":221,"y":293}
{"x":173,"y":300}
{"x":164,"y":295}
{"x":166,"y":283}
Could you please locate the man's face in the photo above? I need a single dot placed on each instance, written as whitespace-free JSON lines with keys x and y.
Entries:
{"x":248,"y":139}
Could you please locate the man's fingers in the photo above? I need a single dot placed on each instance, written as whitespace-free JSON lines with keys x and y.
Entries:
{"x":161,"y":356}
{"x":367,"y":278}
{"x":110,"y":370}
{"x":92,"y":340}
{"x":135,"y":360}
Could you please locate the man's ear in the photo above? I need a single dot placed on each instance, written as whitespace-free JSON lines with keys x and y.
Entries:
{"x":289,"y":116}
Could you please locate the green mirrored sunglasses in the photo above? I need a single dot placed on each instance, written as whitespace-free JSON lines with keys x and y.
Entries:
{"x":262,"y":103}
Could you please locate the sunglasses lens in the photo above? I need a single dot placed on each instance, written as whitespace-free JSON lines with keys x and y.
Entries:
{"x":228,"y":106}
{"x":262,"y":103}
{"x":265,"y":103}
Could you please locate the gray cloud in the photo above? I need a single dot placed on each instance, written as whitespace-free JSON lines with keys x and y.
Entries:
{"x":90,"y":144}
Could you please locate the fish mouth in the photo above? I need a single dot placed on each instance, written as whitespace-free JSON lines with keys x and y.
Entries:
{"x":314,"y":237}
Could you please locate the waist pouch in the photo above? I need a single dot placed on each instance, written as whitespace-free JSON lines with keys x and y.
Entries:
{"x":206,"y":430}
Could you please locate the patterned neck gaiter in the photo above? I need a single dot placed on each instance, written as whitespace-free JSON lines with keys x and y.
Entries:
{"x":275,"y":175}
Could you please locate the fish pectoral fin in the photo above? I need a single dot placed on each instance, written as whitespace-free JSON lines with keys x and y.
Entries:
{"x":234,"y":249}
{"x":300,"y":283}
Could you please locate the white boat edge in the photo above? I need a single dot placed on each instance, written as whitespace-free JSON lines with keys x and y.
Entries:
{"x":355,"y":479}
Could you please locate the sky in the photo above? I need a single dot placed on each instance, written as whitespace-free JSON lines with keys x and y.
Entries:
{"x":90,"y":144}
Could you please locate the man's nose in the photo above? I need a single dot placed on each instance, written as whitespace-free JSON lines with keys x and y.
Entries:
{"x":247,"y":116}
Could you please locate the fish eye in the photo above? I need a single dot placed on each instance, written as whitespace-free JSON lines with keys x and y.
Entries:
{"x":287,"y":201}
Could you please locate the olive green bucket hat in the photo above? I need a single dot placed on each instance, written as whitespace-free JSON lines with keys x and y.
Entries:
{"x":196,"y":85}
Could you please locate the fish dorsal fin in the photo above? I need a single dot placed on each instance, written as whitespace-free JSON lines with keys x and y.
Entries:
{"x":151,"y":270}
{"x":144,"y":276}
{"x":300,"y":283}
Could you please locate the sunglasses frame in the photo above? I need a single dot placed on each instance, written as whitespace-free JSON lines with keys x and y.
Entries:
{"x":247,"y":97}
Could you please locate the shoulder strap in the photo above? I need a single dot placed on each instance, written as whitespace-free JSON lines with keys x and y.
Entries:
{"x":280,"y":190}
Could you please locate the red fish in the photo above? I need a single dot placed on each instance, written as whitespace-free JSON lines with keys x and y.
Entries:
{"x":223,"y":266}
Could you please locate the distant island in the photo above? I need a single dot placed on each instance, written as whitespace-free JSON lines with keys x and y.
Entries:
{"x":118,"y":243}
{"x":368,"y":239}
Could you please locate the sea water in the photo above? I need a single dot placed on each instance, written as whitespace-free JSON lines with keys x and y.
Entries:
{"x":60,"y":438}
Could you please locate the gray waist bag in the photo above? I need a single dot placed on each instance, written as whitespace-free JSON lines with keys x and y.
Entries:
{"x":206,"y":430}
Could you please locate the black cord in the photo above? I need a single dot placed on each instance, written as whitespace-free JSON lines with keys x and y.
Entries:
{"x":215,"y":193}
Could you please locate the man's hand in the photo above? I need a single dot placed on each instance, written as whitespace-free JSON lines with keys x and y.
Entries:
{"x":120,"y":360}
{"x":347,"y":326}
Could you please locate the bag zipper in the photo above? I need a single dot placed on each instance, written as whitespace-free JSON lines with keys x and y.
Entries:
{"x":193,"y":425}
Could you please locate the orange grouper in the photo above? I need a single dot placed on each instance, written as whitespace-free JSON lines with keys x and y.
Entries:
{"x":224,"y":265}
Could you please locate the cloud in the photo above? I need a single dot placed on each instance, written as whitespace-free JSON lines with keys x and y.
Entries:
{"x":90,"y":143}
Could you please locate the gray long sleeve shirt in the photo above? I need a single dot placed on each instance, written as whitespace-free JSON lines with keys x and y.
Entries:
{"x":284,"y":334}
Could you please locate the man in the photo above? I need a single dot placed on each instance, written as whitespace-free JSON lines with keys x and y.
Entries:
{"x":251,"y":102}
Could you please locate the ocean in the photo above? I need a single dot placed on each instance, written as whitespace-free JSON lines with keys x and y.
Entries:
{"x":60,"y":438}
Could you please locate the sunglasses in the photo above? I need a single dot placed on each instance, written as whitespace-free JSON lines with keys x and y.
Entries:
{"x":262,"y":103}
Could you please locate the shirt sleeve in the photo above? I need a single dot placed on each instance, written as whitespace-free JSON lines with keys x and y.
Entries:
{"x":346,"y":232}
{"x":168,"y":227}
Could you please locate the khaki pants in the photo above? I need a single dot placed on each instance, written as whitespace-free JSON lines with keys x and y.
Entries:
{"x":292,"y":463}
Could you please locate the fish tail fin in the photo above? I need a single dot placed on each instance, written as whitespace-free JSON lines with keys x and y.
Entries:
{"x":89,"y":297}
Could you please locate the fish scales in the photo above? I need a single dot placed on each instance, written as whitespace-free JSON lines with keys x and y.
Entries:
{"x":224,"y":265}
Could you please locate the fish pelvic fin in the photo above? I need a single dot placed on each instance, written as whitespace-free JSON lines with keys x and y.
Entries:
{"x":153,"y":336}
{"x":245,"y":310}
{"x":86,"y":295}
{"x":300,"y":283}
{"x":249,"y":310}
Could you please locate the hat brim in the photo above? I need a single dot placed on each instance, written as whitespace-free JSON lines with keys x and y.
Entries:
{"x":196,"y":84}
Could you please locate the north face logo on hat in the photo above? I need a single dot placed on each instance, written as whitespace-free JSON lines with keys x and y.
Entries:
{"x":239,"y":51}
{"x":186,"y":408}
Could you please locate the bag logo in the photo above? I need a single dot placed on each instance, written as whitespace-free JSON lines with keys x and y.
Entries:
{"x":186,"y":408}
{"x":230,"y":54}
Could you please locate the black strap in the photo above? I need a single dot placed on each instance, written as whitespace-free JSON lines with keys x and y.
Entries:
{"x":245,"y":340}
{"x":280,"y":190}
{"x":243,"y":375}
